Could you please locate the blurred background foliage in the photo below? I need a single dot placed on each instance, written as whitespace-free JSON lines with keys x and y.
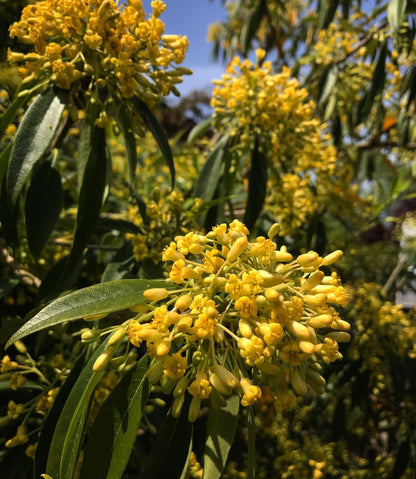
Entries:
{"x":314,"y":127}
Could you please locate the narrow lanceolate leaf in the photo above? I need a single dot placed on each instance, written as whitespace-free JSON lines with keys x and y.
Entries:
{"x":158,"y":133}
{"x":91,"y":197}
{"x":208,"y":178}
{"x":170,"y":451}
{"x":45,"y":439}
{"x":4,"y":161}
{"x":395,"y":13}
{"x":251,"y":26}
{"x":98,"y":299}
{"x":221,"y":428}
{"x":43,"y":204}
{"x":114,"y":431}
{"x":33,"y":138}
{"x":9,"y":115}
{"x":129,"y":142}
{"x":198,"y":130}
{"x":69,"y":429}
{"x":257,"y":186}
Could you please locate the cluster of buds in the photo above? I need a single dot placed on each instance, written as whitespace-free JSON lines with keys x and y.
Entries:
{"x":100,"y":44}
{"x":239,"y":315}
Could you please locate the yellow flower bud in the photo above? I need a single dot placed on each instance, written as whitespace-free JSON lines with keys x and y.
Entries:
{"x":271,"y":279}
{"x":184,"y":324}
{"x":269,"y":368}
{"x":219,"y":385}
{"x":272,"y":295}
{"x":95,"y":317}
{"x":102,"y":360}
{"x":297,"y":382}
{"x":156,"y":294}
{"x":20,"y":346}
{"x":307,"y":259}
{"x":245,"y":328}
{"x":155,"y":372}
{"x":332,"y":257}
{"x":237,"y":248}
{"x":321,"y":321}
{"x":194,"y":408}
{"x":340,"y":336}
{"x":274,"y":229}
{"x":177,"y":405}
{"x":180,"y":387}
{"x":283,"y":256}
{"x":163,"y":347}
{"x":116,"y":337}
{"x":183,"y":302}
{"x":299,"y":330}
{"x":307,"y":347}
{"x":312,"y":281}
{"x":226,"y":376}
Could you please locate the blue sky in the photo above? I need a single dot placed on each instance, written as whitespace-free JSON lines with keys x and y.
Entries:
{"x":191,"y":18}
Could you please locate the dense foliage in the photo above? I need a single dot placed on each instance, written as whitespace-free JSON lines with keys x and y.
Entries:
{"x":171,"y":290}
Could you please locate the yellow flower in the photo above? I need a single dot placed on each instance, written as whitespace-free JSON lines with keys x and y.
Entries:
{"x":175,"y":366}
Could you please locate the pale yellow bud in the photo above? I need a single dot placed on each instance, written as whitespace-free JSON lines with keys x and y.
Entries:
{"x":342,"y":325}
{"x":271,"y":279}
{"x":163,"y":347}
{"x":312,"y":281}
{"x":156,"y":294}
{"x":102,"y":360}
{"x":237,"y":248}
{"x":183,"y":302}
{"x":274,"y":229}
{"x":269,"y":368}
{"x":184,"y":324}
{"x":194,"y":408}
{"x":315,"y":299}
{"x":339,"y":336}
{"x":90,"y":336}
{"x":95,"y":317}
{"x":219,"y":334}
{"x":283,"y":256}
{"x":245,"y":328}
{"x":332,"y":257}
{"x":116,"y":337}
{"x":307,"y":347}
{"x":297,"y":382}
{"x":155,"y":372}
{"x":226,"y":376}
{"x":20,"y":346}
{"x":180,"y":387}
{"x":177,"y":405}
{"x":299,"y":330}
{"x":321,"y":321}
{"x":307,"y":259}
{"x":315,"y":381}
{"x":272,"y":295}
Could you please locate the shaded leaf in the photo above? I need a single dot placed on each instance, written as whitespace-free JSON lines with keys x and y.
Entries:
{"x":221,"y":428}
{"x":98,"y":299}
{"x":114,"y":430}
{"x":198,"y":130}
{"x":33,"y":138}
{"x":4,"y":161}
{"x":121,"y":264}
{"x":251,"y":26}
{"x":8,"y":218}
{"x":129,"y":142}
{"x":395,"y":13}
{"x":170,"y":450}
{"x":44,"y":201}
{"x":158,"y":133}
{"x":257,"y":186}
{"x":69,"y":429}
{"x":10,"y":113}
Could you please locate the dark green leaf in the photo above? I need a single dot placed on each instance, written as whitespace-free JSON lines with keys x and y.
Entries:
{"x":8,"y":218}
{"x":158,"y":133}
{"x":29,"y":385}
{"x":98,"y":299}
{"x":85,"y":139}
{"x":33,"y":138}
{"x":198,"y":130}
{"x":251,"y":440}
{"x":329,"y":12}
{"x":91,"y":198}
{"x":395,"y":13}
{"x":221,"y":428}
{"x":251,"y":26}
{"x":402,"y":460}
{"x":107,"y":224}
{"x":44,"y":201}
{"x":208,"y":178}
{"x":129,"y":142}
{"x":69,"y":429}
{"x":257,"y":187}
{"x":114,"y":431}
{"x":121,"y":264}
{"x":52,"y":418}
{"x":326,"y":85}
{"x":4,"y":161}
{"x":10,"y":113}
{"x":170,"y":450}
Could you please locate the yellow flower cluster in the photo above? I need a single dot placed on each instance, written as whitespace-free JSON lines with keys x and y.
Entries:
{"x":241,"y":310}
{"x":101,"y":45}
{"x":255,"y":106}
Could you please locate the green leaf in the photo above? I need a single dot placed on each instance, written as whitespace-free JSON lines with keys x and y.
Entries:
{"x":98,"y":299}
{"x":10,"y":113}
{"x":129,"y":142}
{"x":44,"y":202}
{"x":114,"y":431}
{"x":121,"y":264}
{"x":4,"y":161}
{"x":170,"y":451}
{"x":8,"y":218}
{"x":85,"y":139}
{"x":33,"y":137}
{"x":257,"y":186}
{"x":69,"y":429}
{"x":208,"y":178}
{"x":198,"y":130}
{"x":327,"y":84}
{"x":251,"y":428}
{"x":91,"y":198}
{"x":52,"y":418}
{"x":251,"y":26}
{"x":221,"y":428}
{"x":395,"y":13}
{"x":158,"y":133}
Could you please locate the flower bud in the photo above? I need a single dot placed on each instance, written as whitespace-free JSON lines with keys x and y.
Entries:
{"x":184,"y":324}
{"x":245,"y":328}
{"x":155,"y":372}
{"x":237,"y":248}
{"x":194,"y":408}
{"x":219,"y":385}
{"x":271,"y":279}
{"x":180,"y":387}
{"x":283,"y":256}
{"x":272,"y":295}
{"x":274,"y":229}
{"x":307,"y":347}
{"x":339,"y":336}
{"x":332,"y":257}
{"x":226,"y":376}
{"x":313,"y":280}
{"x":156,"y":294}
{"x":102,"y":361}
{"x":94,"y":317}
{"x":321,"y":321}
{"x":116,"y":337}
{"x":299,"y":330}
{"x":163,"y":347}
{"x":307,"y":259}
{"x":183,"y":302}
{"x":177,"y":405}
{"x":297,"y":382}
